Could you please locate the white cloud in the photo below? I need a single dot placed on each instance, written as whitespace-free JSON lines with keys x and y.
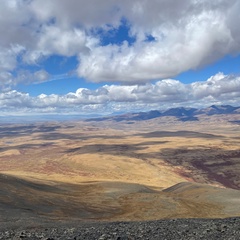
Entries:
{"x":77,"y":12}
{"x":217,"y":89}
{"x":53,"y":40}
{"x":188,"y":34}
{"x":217,"y":86}
{"x":185,"y":38}
{"x":8,"y":80}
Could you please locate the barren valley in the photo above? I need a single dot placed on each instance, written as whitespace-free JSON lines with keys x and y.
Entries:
{"x":107,"y":171}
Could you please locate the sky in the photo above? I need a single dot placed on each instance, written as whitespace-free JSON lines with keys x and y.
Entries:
{"x":106,"y":56}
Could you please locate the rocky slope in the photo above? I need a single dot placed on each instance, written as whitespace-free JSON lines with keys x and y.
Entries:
{"x":164,"y":229}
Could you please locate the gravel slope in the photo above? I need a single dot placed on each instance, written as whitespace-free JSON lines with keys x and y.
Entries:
{"x":164,"y":229}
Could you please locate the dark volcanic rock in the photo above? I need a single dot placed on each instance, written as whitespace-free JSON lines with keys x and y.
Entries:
{"x":162,"y":229}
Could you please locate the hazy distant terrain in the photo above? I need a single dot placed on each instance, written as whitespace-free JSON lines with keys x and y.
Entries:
{"x":181,"y":113}
{"x":107,"y":171}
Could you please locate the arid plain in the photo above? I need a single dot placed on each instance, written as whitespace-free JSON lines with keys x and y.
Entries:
{"x":108,"y":171}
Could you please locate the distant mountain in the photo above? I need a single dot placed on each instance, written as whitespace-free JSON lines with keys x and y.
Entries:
{"x":183,"y":114}
{"x":180,"y":112}
{"x":221,"y":109}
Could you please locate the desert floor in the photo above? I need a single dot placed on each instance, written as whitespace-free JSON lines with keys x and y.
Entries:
{"x":120,"y":171}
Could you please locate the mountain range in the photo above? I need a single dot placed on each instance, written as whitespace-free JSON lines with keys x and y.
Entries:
{"x":182,"y":113}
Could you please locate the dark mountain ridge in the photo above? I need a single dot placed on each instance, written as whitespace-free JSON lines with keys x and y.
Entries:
{"x":182,"y":113}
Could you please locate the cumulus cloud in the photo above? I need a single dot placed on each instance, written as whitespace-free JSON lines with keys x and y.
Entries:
{"x":9,"y":80}
{"x":218,"y":86}
{"x":186,"y":35}
{"x":217,"y":89}
{"x":168,"y":37}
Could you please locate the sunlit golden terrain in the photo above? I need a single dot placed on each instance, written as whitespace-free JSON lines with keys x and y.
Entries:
{"x":160,"y":168}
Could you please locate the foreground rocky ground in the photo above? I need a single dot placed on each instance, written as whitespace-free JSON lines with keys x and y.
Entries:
{"x":164,"y":229}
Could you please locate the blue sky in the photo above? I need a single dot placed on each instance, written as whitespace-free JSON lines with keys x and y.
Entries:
{"x":229,"y":64}
{"x":59,"y":57}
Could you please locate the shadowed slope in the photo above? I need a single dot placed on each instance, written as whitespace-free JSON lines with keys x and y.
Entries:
{"x":27,"y":200}
{"x":227,"y":198}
